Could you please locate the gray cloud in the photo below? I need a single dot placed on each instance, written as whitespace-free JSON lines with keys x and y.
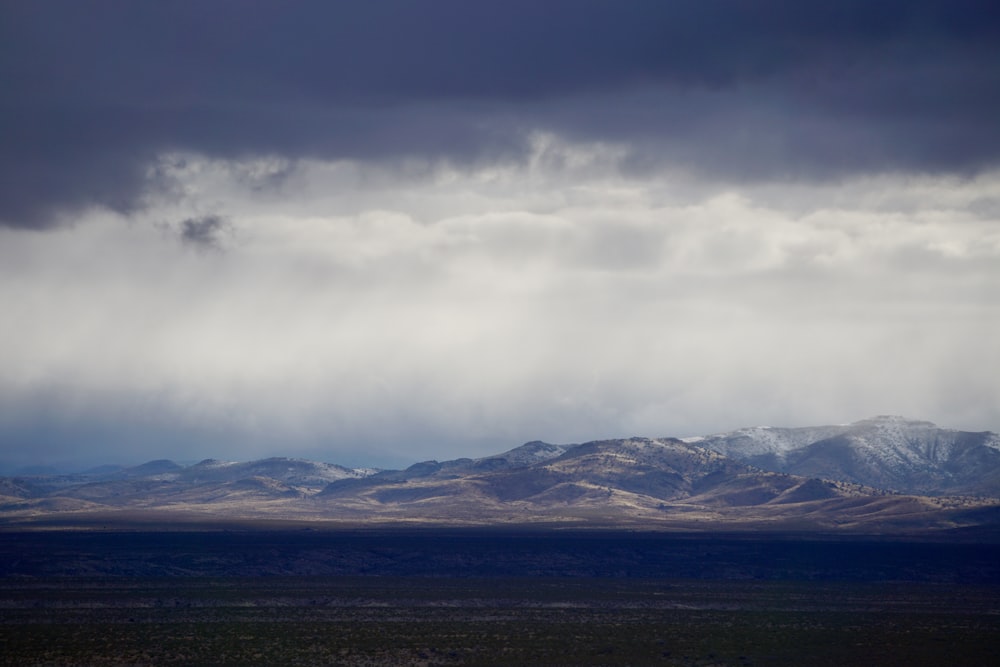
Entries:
{"x":206,"y":232}
{"x":463,"y":225}
{"x":470,"y":310}
{"x":96,"y":91}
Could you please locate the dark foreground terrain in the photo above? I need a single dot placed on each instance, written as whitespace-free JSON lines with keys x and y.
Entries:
{"x":492,"y":597}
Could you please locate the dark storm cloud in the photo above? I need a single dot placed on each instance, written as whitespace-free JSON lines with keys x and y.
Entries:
{"x":205,"y":232}
{"x":93,"y":91}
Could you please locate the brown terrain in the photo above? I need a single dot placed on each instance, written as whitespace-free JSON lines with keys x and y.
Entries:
{"x":640,"y":482}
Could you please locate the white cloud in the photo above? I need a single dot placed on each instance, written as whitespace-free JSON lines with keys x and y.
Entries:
{"x":423,"y":311}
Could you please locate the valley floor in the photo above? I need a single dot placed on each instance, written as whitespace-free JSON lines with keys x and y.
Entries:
{"x":492,"y":597}
{"x":493,"y":621}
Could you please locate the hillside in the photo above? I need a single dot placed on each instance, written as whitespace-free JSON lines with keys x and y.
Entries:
{"x":888,"y":452}
{"x":641,"y":482}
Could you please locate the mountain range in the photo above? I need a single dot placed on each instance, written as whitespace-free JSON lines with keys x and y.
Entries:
{"x":885,"y":474}
{"x":888,"y":452}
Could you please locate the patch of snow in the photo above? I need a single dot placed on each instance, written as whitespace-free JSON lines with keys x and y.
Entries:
{"x":529,"y":453}
{"x":216,"y":463}
{"x":165,"y":477}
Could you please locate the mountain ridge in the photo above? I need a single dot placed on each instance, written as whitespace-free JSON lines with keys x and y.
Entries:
{"x":717,"y":480}
{"x":887,"y":451}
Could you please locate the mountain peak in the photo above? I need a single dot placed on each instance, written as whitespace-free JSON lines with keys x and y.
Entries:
{"x":886,"y":451}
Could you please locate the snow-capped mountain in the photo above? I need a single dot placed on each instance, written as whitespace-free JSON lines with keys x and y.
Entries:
{"x":635,"y":481}
{"x":829,"y":477}
{"x":293,"y":472}
{"x":527,"y":454}
{"x":887,"y":452}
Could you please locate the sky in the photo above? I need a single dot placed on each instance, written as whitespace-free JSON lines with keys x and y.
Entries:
{"x":382,"y":232}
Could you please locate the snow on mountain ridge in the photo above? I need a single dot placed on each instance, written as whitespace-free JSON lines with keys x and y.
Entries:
{"x":299,"y":472}
{"x":886,"y":451}
{"x":765,"y":440}
{"x":528,"y":454}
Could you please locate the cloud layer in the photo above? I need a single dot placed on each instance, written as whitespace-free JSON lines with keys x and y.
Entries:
{"x":382,"y":232}
{"x":97,"y":91}
{"x":459,"y":311}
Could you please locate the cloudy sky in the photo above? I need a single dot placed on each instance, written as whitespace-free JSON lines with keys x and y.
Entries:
{"x":383,"y":232}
